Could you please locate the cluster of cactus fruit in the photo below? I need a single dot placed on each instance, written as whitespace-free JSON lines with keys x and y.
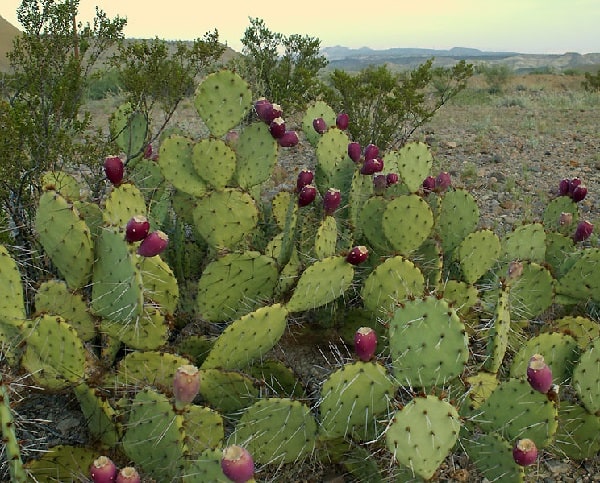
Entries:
{"x":394,"y":259}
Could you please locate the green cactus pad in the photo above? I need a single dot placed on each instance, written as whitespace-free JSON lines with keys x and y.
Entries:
{"x":526,"y":242}
{"x":586,"y":378}
{"x":129,"y":129}
{"x":428,"y":343}
{"x":55,"y":298}
{"x":582,"y":329}
{"x":480,"y":385}
{"x":177,"y":166}
{"x":497,"y":341}
{"x":236,"y":284}
{"x":414,"y":161}
{"x":154,"y":436}
{"x":147,"y":331}
{"x":54,"y":354}
{"x":124,"y":202}
{"x":532,"y":292}
{"x":407,"y":222}
{"x":515,"y":410}
{"x":492,"y":455}
{"x":578,"y":434}
{"x":582,"y":280}
{"x":477,"y":253}
{"x":334,"y":168}
{"x":65,"y":238}
{"x":276,"y":379}
{"x":224,"y":218}
{"x":361,"y":191}
{"x":558,"y":249}
{"x":227,"y":391}
{"x":458,"y":216}
{"x":11,"y":448}
{"x":117,"y":288}
{"x":222,"y":100}
{"x":61,"y":463}
{"x":12,"y":305}
{"x":276,"y":431}
{"x":256,"y":155}
{"x":321,"y":283}
{"x":560,"y":352}
{"x":553,"y":210}
{"x":280,"y":206}
{"x":62,"y":183}
{"x":326,"y":238}
{"x":195,"y":347}
{"x":395,"y":280}
{"x":100,"y":417}
{"x":430,"y":260}
{"x":421,"y":434}
{"x":460,"y":295}
{"x":160,"y":285}
{"x":147,"y":368}
{"x":203,"y":429}
{"x":92,"y":214}
{"x":214,"y":161}
{"x":370,"y":220}
{"x":353,"y":398}
{"x":205,"y":467}
{"x":248,"y":338}
{"x":316,"y":110}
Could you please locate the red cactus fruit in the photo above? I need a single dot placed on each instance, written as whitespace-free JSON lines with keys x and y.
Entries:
{"x":331,"y":200}
{"x":137,"y":228}
{"x":357,"y":255}
{"x":573,"y":183}
{"x":264,"y":110}
{"x":525,"y":452}
{"x":307,"y":195}
{"x":354,"y":151}
{"x":153,"y":244}
{"x":429,"y":184}
{"x":128,"y":475}
{"x":583,"y":231}
{"x":579,"y":193}
{"x":563,"y":187}
{"x":288,"y":140}
{"x":186,"y":384}
{"x":277,"y":111}
{"x":103,"y":470}
{"x":114,"y":169}
{"x":148,"y":151}
{"x":365,"y":343}
{"x":442,"y":182}
{"x":237,"y":464}
{"x":277,"y":127}
{"x":392,"y":178}
{"x":305,"y":176}
{"x":319,"y":125}
{"x":342,"y":120}
{"x":539,"y":374}
{"x":371,"y":151}
{"x":372,"y":166}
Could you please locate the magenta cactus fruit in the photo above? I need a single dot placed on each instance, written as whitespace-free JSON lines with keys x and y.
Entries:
{"x":525,"y":452}
{"x":289,"y":139}
{"x":365,"y":343}
{"x":583,"y":231}
{"x":128,"y":475}
{"x":573,"y":183}
{"x":153,"y":244}
{"x":114,"y":169}
{"x":305,"y":176}
{"x":276,"y":111}
{"x":429,"y":184}
{"x":331,"y":200}
{"x":277,"y":127}
{"x":539,"y":374}
{"x":371,"y":151}
{"x":148,"y":151}
{"x":237,"y":464}
{"x":264,"y":110}
{"x":319,"y":125}
{"x":137,"y":229}
{"x":442,"y":182}
{"x":307,"y":195}
{"x":342,"y":120}
{"x":372,"y":166}
{"x":563,"y":187}
{"x":354,"y":151}
{"x":186,"y":384}
{"x":392,"y":178}
{"x":579,"y":193}
{"x":103,"y":470}
{"x":357,"y":255}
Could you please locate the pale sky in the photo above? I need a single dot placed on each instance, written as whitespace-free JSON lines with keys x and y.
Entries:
{"x":526,"y":26}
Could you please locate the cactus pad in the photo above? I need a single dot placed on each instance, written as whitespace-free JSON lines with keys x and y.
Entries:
{"x":99,"y":415}
{"x":177,"y":166}
{"x":326,"y":238}
{"x":12,"y":305}
{"x":317,"y":109}
{"x":227,"y":391}
{"x":526,"y":242}
{"x":124,"y":202}
{"x":477,"y":253}
{"x":586,"y":378}
{"x":407,"y":222}
{"x":578,"y":434}
{"x":148,"y":331}
{"x":160,"y":285}
{"x":61,"y":463}
{"x":492,"y":455}
{"x":582,"y":280}
{"x":129,"y":129}
{"x":421,"y":434}
{"x":214,"y":161}
{"x":256,"y":155}
{"x":458,"y":216}
{"x":63,"y":183}
{"x":414,"y":161}
{"x":203,"y":428}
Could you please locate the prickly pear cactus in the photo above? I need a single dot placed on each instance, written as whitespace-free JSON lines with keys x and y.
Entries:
{"x":129,"y":129}
{"x":124,"y":202}
{"x":582,"y":280}
{"x":458,"y":216}
{"x":12,"y":451}
{"x":12,"y":304}
{"x":586,"y":378}
{"x":497,"y":340}
{"x":326,"y":238}
{"x":526,"y":242}
{"x":502,"y":466}
{"x":353,"y":398}
{"x":478,"y":253}
{"x":214,"y":161}
{"x":100,"y":416}
{"x":422,"y":433}
{"x":227,"y":391}
{"x":413,"y":161}
{"x":177,"y":165}
{"x":256,"y":155}
{"x":316,"y":110}
{"x":411,"y":212}
{"x":61,"y":463}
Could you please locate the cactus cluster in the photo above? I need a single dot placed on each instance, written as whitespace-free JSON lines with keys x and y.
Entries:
{"x":391,"y":256}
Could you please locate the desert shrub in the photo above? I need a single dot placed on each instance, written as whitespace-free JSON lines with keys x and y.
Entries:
{"x":386,"y":107}
{"x":284,"y":69}
{"x":104,"y":83}
{"x":592,"y":82}
{"x":496,"y":76}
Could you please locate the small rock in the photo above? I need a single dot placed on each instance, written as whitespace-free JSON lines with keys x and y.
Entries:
{"x":557,"y":467}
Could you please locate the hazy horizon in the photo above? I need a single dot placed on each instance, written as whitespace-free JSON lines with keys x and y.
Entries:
{"x":524,"y":26}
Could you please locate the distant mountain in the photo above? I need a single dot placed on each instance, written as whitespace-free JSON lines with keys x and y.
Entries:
{"x":339,"y":52}
{"x":7,"y":33}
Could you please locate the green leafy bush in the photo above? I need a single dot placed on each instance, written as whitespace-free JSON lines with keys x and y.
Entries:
{"x":496,"y":76}
{"x":104,"y":83}
{"x":592,"y":82}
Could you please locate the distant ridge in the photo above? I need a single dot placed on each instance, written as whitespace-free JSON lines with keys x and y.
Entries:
{"x":339,"y":52}
{"x":7,"y":33}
